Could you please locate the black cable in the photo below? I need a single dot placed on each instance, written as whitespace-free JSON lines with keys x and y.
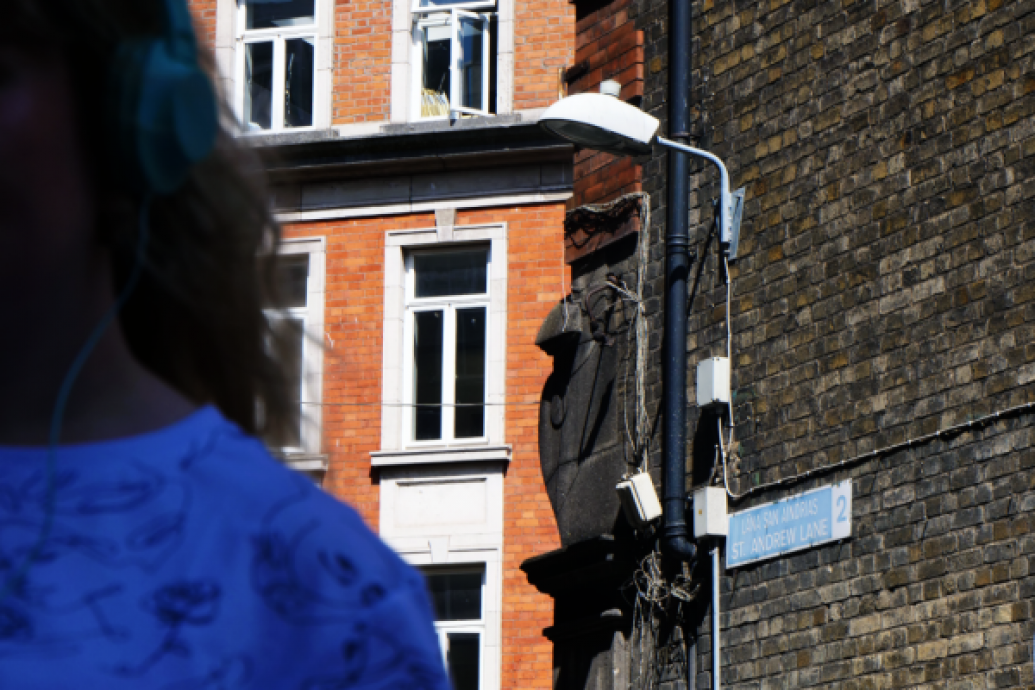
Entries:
{"x":879,"y":452}
{"x":702,"y":257}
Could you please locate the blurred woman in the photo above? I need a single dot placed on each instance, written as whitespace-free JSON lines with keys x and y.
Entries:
{"x":147,"y":539}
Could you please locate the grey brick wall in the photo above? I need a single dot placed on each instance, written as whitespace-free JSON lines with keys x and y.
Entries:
{"x":885,"y":291}
{"x":933,"y":590}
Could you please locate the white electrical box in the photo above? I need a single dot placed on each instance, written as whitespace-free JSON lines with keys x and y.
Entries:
{"x":710,"y":517}
{"x":639,"y":500}
{"x":713,"y":382}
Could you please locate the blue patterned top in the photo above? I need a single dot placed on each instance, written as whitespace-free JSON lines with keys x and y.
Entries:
{"x":189,"y":559}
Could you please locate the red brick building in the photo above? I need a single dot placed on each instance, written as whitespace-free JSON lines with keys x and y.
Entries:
{"x":423,"y":210}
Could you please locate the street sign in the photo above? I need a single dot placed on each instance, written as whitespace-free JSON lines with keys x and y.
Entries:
{"x":795,"y":523}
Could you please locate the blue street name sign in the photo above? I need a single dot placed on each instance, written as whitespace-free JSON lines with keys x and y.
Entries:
{"x":798,"y":522}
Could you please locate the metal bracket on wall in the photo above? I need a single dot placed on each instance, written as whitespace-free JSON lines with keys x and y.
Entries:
{"x":737,"y":212}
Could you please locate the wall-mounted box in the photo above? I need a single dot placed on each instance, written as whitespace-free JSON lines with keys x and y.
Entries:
{"x":713,"y":382}
{"x":710,"y":517}
{"x":639,"y":500}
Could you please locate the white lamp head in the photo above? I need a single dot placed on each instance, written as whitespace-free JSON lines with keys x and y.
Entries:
{"x":600,"y":122}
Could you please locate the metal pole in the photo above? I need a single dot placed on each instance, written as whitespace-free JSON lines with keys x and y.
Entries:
{"x":677,"y":266}
{"x":716,"y":644}
{"x":724,"y":234}
{"x":725,"y":198}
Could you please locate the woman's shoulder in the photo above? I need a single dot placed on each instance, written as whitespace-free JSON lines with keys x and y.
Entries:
{"x":315,"y":563}
{"x":195,"y":542}
{"x":280,"y":508}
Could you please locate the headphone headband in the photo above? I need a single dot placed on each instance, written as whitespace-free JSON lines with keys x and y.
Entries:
{"x":165,"y":109}
{"x":179,"y":30}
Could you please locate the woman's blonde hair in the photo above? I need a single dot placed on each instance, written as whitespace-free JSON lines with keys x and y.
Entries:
{"x":196,"y":318}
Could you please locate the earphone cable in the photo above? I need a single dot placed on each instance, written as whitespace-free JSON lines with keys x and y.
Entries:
{"x":65,"y":391}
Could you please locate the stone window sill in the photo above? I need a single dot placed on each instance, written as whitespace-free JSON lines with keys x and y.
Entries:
{"x":304,"y":462}
{"x":434,"y":456}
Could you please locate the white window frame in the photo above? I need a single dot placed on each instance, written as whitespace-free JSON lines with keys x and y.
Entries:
{"x":311,"y":394}
{"x":407,"y":57}
{"x":231,"y":39}
{"x":443,"y":628}
{"x":448,"y":305}
{"x":397,"y":387}
{"x":451,"y":18}
{"x":459,"y":4}
{"x":453,"y":545}
{"x":454,"y":92}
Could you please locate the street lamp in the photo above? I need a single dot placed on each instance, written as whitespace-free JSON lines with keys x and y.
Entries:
{"x":605,"y":123}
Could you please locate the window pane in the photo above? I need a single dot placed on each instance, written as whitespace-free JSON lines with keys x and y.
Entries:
{"x":298,"y":82}
{"x":456,"y":273}
{"x":435,"y":42}
{"x":289,"y":351}
{"x":462,"y":660}
{"x":292,"y":281}
{"x":427,"y":375}
{"x":258,"y":59}
{"x":470,"y":372}
{"x":472,"y":37}
{"x":494,"y":51}
{"x":456,"y":596}
{"x":268,"y":14}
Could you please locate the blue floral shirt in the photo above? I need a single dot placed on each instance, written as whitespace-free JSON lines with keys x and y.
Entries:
{"x":189,"y":559}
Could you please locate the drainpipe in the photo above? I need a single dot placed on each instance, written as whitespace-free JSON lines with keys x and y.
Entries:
{"x":674,"y":542}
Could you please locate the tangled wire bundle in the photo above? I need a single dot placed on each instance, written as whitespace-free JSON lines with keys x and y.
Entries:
{"x":657,"y":597}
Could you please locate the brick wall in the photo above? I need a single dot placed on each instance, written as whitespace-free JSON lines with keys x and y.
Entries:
{"x":607,"y":46}
{"x":935,"y":588}
{"x":362,"y":55}
{"x":353,"y":323}
{"x":204,"y":12}
{"x":543,"y":44}
{"x":543,"y":34}
{"x":888,"y":247}
{"x":362,"y":61}
{"x":536,"y":278}
{"x":352,"y":374}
